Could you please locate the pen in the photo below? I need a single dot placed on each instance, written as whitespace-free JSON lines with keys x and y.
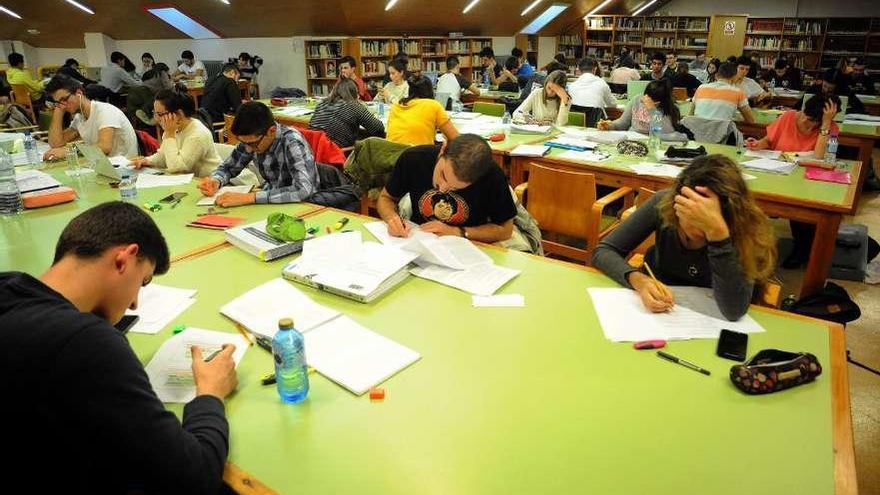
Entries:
{"x":244,"y":334}
{"x":341,"y":223}
{"x":213,"y":355}
{"x":656,"y":282}
{"x":686,"y":364}
{"x":174,"y":204}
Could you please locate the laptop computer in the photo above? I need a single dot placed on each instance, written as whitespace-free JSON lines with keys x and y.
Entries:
{"x":100,"y":163}
{"x":634,"y":89}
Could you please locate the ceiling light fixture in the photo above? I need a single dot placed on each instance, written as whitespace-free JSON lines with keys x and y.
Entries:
{"x":597,"y":9}
{"x":13,"y":14}
{"x":80,"y":6}
{"x":390,"y":4}
{"x":643,"y":7}
{"x":544,"y":18}
{"x":530,"y":7}
{"x":469,"y":6}
{"x":225,"y":1}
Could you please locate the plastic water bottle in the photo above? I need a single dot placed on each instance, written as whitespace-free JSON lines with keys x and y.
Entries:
{"x":655,"y":129}
{"x":486,"y":79}
{"x":291,"y":371}
{"x":127,"y":188}
{"x":72,"y":160}
{"x":772,"y":86}
{"x":831,"y":149}
{"x":381,"y":109}
{"x":505,"y":124}
{"x":457,"y":106}
{"x":10,"y":196}
{"x":30,"y":150}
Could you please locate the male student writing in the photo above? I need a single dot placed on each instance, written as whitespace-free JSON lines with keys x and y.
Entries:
{"x":281,"y":154}
{"x":457,"y":191}
{"x":83,"y":402}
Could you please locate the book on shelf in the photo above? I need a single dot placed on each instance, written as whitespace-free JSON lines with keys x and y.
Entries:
{"x":374,"y":48}
{"x":325,"y":50}
{"x":570,"y":39}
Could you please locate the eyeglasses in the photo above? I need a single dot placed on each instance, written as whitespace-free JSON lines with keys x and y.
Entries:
{"x":63,"y":99}
{"x":253,"y":143}
{"x":161,"y":114}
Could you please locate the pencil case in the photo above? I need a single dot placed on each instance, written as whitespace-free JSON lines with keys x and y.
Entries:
{"x":48,"y":197}
{"x":772,"y":370}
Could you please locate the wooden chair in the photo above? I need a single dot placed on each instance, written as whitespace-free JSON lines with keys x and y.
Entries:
{"x":577,"y":119}
{"x":225,"y":135}
{"x":564,"y":203}
{"x":493,"y":109}
{"x":21,"y":96}
{"x":679,"y":94}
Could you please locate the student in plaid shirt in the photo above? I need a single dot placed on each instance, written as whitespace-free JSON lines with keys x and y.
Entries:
{"x":282,"y":156}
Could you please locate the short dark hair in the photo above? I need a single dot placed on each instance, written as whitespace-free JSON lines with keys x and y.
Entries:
{"x":399,"y":65}
{"x":743,"y":60}
{"x":726,"y":70}
{"x":487,"y":52}
{"x":147,"y":55}
{"x":348,"y":59}
{"x":229,"y":67}
{"x":60,"y":81}
{"x":511,"y":63}
{"x":245,"y":56}
{"x":174,"y":100}
{"x":419,"y":87}
{"x":781,"y":63}
{"x":451,"y":62}
{"x":659,"y":56}
{"x":251,"y":119}
{"x":681,"y":68}
{"x":554,"y":66}
{"x":345,"y":90}
{"x":187,"y":55}
{"x":587,"y":64}
{"x":107,"y":225}
{"x":815,"y":106}
{"x":70,"y":62}
{"x":516,"y":52}
{"x":560,"y":57}
{"x":471,"y":157}
{"x":831,"y":76}
{"x":117,"y":57}
{"x":15,"y":59}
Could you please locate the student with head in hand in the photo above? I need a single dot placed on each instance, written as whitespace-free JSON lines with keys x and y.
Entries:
{"x":187,"y":145}
{"x":282,"y":156}
{"x":508,"y":81}
{"x":548,"y":106}
{"x":94,"y":122}
{"x":710,"y":232}
{"x":84,"y":403}
{"x":416,"y":119}
{"x":396,"y":89}
{"x":637,"y":116}
{"x":458,"y":191}
{"x":343,"y":118}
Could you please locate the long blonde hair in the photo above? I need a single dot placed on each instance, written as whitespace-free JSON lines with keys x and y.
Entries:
{"x":750,"y":229}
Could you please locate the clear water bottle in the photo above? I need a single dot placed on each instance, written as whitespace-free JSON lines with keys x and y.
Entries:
{"x":381,"y":109}
{"x":30,"y":150}
{"x":505,"y":124}
{"x":486,"y":79}
{"x":655,"y":129}
{"x":10,"y":196}
{"x":127,"y":188}
{"x":772,"y":86}
{"x":831,"y":149}
{"x":457,"y":106}
{"x":291,"y":371}
{"x":72,"y":160}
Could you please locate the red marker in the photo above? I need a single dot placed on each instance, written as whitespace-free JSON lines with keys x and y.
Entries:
{"x":649,"y":344}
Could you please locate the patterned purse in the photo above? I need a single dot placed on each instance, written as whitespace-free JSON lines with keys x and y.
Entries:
{"x":633,"y":148}
{"x":772,"y":370}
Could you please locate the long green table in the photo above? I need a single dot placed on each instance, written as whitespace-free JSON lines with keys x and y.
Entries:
{"x":787,"y":196}
{"x":525,"y":400}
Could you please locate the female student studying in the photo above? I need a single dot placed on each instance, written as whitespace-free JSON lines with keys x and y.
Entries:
{"x":341,"y":116}
{"x":397,"y":89}
{"x":637,"y":116}
{"x":548,"y":106}
{"x":416,"y":118}
{"x":710,"y":233}
{"x":187,"y":145}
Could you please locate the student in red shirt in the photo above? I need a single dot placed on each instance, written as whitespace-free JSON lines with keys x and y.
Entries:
{"x":346,"y":70}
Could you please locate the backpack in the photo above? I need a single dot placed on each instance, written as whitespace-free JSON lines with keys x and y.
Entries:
{"x":14,"y":116}
{"x":832,"y":303}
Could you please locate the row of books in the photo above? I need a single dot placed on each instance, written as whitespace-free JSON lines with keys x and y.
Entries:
{"x":324,"y":50}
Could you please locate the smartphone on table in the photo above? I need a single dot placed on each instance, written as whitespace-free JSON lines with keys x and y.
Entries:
{"x":733,"y":345}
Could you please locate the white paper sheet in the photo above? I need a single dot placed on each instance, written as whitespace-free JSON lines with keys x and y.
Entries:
{"x":482,"y":280}
{"x":656,"y":169}
{"x":624,"y":318}
{"x":499,"y":301}
{"x":295,"y":111}
{"x":464,"y":115}
{"x":586,"y":156}
{"x":353,"y":356}
{"x":34,"y":180}
{"x":771,"y":154}
{"x":771,"y":166}
{"x":209,"y":200}
{"x":119,"y":161}
{"x":260,"y":308}
{"x":530,"y":129}
{"x":20,"y":158}
{"x":170,"y":370}
{"x":529,"y":150}
{"x":449,"y":251}
{"x":145,"y":181}
{"x":158,"y":305}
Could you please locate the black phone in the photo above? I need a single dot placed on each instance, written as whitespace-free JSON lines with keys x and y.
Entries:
{"x":173,"y":197}
{"x":732,"y":345}
{"x":127,"y":321}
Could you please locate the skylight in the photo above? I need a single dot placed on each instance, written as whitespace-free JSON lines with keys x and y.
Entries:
{"x":544,"y":18}
{"x":182,"y":22}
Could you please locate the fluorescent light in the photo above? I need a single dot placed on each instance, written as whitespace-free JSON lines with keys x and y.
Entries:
{"x":13,"y":14}
{"x":390,"y":4}
{"x":544,"y":18}
{"x":643,"y":7}
{"x":530,"y":7}
{"x":469,"y":6}
{"x":183,"y":23}
{"x":81,"y":6}
{"x":600,"y":7}
{"x":225,"y":1}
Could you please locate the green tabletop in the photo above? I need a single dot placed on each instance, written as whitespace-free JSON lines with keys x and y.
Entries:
{"x":516,"y":400}
{"x":29,"y":238}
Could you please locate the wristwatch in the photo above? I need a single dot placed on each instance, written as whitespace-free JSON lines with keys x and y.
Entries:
{"x":463,"y":232}
{"x":825,"y":132}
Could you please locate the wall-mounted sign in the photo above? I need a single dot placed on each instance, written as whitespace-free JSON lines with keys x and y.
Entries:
{"x":729,"y":28}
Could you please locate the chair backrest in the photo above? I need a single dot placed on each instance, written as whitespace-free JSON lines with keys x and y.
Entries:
{"x":229,"y":138}
{"x":224,"y":150}
{"x":577,"y":119}
{"x":493,"y":109}
{"x":634,"y":89}
{"x":592,"y":114}
{"x":679,"y":94}
{"x":618,"y":88}
{"x":560,"y":200}
{"x":21,"y":96}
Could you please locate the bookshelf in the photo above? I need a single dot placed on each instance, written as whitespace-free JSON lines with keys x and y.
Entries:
{"x":528,"y":43}
{"x":322,"y":63}
{"x":571,"y":44}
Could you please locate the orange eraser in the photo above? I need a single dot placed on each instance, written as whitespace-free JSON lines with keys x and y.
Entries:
{"x":377,"y":393}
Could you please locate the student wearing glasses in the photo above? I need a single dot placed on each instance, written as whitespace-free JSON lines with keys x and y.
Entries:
{"x":96,"y":123}
{"x":282,"y":156}
{"x":187,"y":145}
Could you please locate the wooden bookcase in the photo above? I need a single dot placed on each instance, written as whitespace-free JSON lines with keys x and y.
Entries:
{"x":528,"y":43}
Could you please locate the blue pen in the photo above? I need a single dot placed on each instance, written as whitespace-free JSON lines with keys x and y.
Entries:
{"x":564,"y":146}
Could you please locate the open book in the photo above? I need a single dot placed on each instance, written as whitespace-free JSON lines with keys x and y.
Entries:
{"x":450,"y":260}
{"x":337,"y":346}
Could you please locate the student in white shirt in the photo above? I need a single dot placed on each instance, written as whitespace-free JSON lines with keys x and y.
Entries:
{"x":187,"y":145}
{"x":96,"y":123}
{"x":190,"y":68}
{"x":453,"y":83}
{"x":754,"y":92}
{"x":589,"y":90}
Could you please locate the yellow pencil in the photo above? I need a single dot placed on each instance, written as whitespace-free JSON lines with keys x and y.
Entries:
{"x":244,"y":333}
{"x":656,"y":282}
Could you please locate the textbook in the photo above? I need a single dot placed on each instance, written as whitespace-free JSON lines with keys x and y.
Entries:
{"x":253,"y":239}
{"x":530,"y":129}
{"x":336,"y":346}
{"x":344,"y":265}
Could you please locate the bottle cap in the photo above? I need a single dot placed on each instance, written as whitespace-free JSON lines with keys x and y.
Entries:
{"x":285,"y":323}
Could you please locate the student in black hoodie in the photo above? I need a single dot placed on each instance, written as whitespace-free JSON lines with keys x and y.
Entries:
{"x":81,"y":403}
{"x":222,"y":94}
{"x":71,"y":69}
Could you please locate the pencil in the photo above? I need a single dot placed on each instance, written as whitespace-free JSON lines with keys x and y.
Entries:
{"x":244,"y":333}
{"x":656,"y":282}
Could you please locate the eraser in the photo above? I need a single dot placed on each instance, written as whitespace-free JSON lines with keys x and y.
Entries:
{"x":377,"y":393}
{"x":649,"y":344}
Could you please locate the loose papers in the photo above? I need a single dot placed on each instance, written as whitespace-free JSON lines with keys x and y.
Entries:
{"x":158,"y":305}
{"x":210,"y":200}
{"x":145,"y":181}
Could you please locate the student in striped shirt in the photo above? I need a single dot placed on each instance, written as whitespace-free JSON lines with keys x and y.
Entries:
{"x":341,"y":116}
{"x":720,"y":100}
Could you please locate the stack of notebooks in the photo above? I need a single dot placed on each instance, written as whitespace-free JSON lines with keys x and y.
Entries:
{"x":770,"y":166}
